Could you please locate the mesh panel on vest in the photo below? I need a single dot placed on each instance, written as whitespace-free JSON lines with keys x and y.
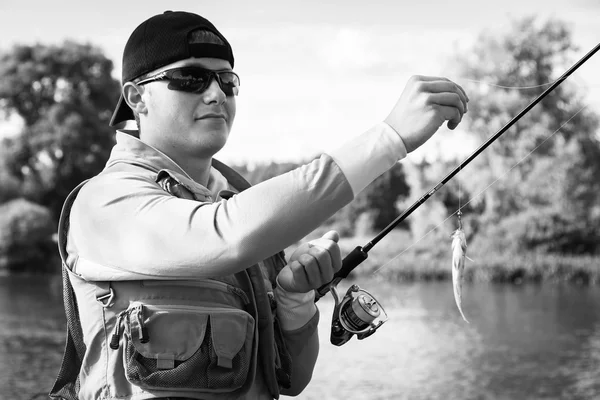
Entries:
{"x":67,"y":382}
{"x":200,"y":371}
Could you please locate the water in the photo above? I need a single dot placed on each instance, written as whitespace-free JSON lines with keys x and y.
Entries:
{"x":524,"y":342}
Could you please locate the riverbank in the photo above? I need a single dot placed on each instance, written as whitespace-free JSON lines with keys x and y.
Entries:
{"x":396,"y":259}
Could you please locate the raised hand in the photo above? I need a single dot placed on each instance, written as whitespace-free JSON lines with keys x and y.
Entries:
{"x":424,"y":105}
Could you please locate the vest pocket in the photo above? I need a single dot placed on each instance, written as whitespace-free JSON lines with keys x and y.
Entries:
{"x":187,"y":347}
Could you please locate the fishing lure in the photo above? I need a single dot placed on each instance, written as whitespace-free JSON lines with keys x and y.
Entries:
{"x":459,"y":253}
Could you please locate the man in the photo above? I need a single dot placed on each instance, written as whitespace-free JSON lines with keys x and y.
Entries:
{"x":180,"y":289}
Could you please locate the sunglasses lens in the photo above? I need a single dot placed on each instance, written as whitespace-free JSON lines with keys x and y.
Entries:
{"x":188,"y":79}
{"x":197,"y":80}
{"x":230,"y":83}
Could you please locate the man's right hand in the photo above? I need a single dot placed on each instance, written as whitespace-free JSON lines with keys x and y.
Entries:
{"x":425,"y":104}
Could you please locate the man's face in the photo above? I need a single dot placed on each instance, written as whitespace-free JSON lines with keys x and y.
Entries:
{"x":188,"y":124}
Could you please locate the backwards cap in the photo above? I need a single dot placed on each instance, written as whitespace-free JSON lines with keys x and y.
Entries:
{"x":162,"y":40}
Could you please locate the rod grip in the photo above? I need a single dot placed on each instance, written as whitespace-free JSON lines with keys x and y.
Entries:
{"x":353,"y":259}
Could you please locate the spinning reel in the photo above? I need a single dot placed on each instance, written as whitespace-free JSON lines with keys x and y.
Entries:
{"x":358,"y":313}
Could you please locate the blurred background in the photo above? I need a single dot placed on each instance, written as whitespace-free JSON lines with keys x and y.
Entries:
{"x":313,"y":74}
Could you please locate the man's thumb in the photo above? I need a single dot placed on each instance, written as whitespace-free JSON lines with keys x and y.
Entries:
{"x":332,"y":235}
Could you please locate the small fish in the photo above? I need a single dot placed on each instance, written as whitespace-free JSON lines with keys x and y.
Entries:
{"x":459,"y":253}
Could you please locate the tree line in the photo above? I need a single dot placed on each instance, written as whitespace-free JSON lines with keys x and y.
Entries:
{"x":541,"y":191}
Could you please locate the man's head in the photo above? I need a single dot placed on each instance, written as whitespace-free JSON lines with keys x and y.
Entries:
{"x":178,"y":82}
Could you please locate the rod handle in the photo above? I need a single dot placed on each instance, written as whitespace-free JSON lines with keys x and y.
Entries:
{"x":351,"y":261}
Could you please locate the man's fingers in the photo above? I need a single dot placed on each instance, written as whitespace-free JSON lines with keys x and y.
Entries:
{"x":309,"y":270}
{"x":324,"y":264}
{"x":313,"y":269}
{"x":447,"y":88}
{"x":332,"y":249}
{"x":437,"y":78}
{"x":332,"y":235}
{"x":448,"y":99}
{"x":450,"y":114}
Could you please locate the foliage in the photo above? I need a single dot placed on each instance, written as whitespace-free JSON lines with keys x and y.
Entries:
{"x":9,"y":185}
{"x":539,"y":188}
{"x":397,"y":259}
{"x":26,"y":231}
{"x":65,"y":96}
{"x":381,"y":197}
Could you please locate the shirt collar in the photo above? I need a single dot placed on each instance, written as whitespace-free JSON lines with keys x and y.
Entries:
{"x":132,"y":150}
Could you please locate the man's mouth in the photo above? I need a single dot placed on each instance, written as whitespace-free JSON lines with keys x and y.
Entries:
{"x":213,"y":115}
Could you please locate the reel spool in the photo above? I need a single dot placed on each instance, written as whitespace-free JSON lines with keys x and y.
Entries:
{"x":358,"y":313}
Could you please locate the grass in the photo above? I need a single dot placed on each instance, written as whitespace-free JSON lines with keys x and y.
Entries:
{"x":396,"y":259}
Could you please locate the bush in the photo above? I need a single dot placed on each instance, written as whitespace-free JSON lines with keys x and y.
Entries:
{"x":26,"y":243}
{"x":9,"y":184}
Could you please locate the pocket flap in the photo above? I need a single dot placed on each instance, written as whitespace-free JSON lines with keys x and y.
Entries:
{"x":229,"y":333}
{"x":176,"y":335}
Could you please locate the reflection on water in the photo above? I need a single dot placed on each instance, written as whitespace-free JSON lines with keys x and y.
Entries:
{"x":524,"y":342}
{"x":32,"y":335}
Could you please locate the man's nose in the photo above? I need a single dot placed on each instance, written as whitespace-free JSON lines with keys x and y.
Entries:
{"x":214,"y":93}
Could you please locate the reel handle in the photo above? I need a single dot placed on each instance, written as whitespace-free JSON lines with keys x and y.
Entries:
{"x":351,"y":261}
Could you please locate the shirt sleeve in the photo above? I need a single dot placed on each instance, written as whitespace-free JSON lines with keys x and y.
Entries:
{"x":123,"y":226}
{"x":367,"y":156}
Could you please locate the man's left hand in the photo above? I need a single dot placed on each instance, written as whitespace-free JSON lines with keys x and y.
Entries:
{"x":312,"y":265}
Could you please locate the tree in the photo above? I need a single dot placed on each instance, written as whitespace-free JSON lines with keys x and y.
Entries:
{"x":381,"y":197}
{"x":26,"y":237}
{"x":65,"y":96}
{"x":535,"y":198}
{"x":379,"y":200}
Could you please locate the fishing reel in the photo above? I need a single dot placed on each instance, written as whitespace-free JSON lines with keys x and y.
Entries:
{"x":357,"y":313}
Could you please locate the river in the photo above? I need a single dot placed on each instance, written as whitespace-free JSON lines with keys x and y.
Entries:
{"x":523,"y":342}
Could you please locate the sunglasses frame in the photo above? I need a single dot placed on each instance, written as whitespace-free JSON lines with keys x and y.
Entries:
{"x":166,"y":76}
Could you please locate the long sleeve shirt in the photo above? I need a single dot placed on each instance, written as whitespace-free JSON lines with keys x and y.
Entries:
{"x":124,"y":226}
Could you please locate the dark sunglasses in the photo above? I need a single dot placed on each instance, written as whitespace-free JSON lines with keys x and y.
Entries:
{"x":196,"y":80}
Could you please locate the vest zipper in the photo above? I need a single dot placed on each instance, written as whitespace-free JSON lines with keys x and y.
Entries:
{"x":143,"y":332}
{"x":116,"y":336}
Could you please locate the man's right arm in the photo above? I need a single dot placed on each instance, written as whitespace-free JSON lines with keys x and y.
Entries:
{"x":124,"y":226}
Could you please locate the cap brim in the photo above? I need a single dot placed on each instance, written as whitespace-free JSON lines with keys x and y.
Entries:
{"x":122,"y":112}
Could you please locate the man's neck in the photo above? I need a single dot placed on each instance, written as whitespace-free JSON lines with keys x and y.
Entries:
{"x":197,"y":168}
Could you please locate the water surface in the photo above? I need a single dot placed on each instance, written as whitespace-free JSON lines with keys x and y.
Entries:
{"x":523,"y":342}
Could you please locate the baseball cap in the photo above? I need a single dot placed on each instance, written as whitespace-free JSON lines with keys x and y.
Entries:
{"x":162,"y":40}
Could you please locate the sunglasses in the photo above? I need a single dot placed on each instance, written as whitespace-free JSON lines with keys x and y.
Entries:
{"x":196,"y":80}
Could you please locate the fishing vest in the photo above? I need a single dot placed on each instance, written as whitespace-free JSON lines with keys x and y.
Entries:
{"x":171,"y":338}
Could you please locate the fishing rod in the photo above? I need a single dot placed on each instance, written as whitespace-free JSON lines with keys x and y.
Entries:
{"x":358,"y":312}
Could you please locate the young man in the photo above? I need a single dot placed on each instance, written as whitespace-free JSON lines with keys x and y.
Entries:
{"x":179,"y":286}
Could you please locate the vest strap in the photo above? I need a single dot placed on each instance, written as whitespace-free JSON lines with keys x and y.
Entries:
{"x":105,"y":294}
{"x":66,"y":386}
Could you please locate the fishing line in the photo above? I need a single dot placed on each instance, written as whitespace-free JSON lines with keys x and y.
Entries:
{"x":484,"y":190}
{"x":586,"y":85}
{"x":360,"y":253}
{"x":508,"y":87}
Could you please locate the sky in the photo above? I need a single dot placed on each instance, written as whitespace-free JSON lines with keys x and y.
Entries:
{"x":314,"y":73}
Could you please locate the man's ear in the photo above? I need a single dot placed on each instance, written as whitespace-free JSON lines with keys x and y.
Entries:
{"x":132,"y":94}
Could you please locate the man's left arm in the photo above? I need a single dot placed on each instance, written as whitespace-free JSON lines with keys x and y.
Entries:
{"x":312,"y":265}
{"x":302,"y":345}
